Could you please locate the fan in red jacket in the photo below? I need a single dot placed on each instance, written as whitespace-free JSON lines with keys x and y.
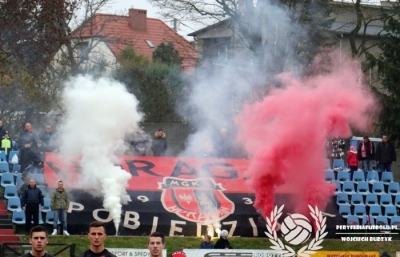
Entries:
{"x":352,"y":160}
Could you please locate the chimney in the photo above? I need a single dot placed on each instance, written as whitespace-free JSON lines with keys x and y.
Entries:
{"x":138,"y":19}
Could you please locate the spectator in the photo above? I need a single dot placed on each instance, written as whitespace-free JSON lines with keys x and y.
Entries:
{"x":156,"y":244}
{"x":6,"y":145}
{"x":46,"y":138}
{"x":31,"y":200}
{"x":159,"y":144}
{"x":207,"y":244}
{"x":223,"y":144}
{"x":140,"y":142}
{"x":38,"y":238}
{"x":352,"y":160}
{"x":2,"y":129}
{"x":60,"y":205}
{"x":385,"y":254}
{"x":26,"y":136}
{"x":97,"y":236}
{"x":335,"y":149}
{"x":38,"y":158}
{"x":25,"y":158}
{"x":223,"y":242}
{"x":366,"y":154}
{"x":385,"y":155}
{"x":15,"y":143}
{"x":23,"y":184}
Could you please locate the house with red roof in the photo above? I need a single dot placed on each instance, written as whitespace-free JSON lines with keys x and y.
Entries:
{"x":100,"y":40}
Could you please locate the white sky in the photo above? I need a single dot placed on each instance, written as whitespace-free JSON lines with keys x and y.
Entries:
{"x":122,"y":6}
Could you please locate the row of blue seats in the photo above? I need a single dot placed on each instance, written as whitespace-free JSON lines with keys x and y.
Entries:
{"x":361,"y":211}
{"x":11,"y":191}
{"x":18,"y":217}
{"x":14,"y":204}
{"x":349,"y":187}
{"x":8,"y":179}
{"x":378,"y":220}
{"x":369,"y":200}
{"x":359,"y":176}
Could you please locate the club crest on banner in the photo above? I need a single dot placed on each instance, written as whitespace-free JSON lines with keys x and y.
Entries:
{"x":196,"y":200}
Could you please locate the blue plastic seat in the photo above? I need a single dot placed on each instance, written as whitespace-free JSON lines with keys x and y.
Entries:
{"x":372,"y":176}
{"x":353,"y":220}
{"x":3,"y":157}
{"x":329,"y":175}
{"x":387,"y":177}
{"x":338,"y":187}
{"x":397,"y":201}
{"x":44,"y":190}
{"x":395,"y":220}
{"x":10,"y":191}
{"x":390,"y":211}
{"x":372,"y":200}
{"x":344,"y":210}
{"x":358,"y":176}
{"x":18,"y":178}
{"x":7,"y":179}
{"x":360,"y":211}
{"x":18,"y":217}
{"x":46,"y":204}
{"x":375,"y":210}
{"x":15,"y":168}
{"x":357,"y":199}
{"x":363,"y":188}
{"x":4,"y":166}
{"x":348,"y":187}
{"x":367,"y":220}
{"x":14,"y":204}
{"x":39,"y":178}
{"x":394,"y":188}
{"x":342,"y":176}
{"x":381,"y":220}
{"x":342,"y":199}
{"x":11,"y":156}
{"x":338,"y":164}
{"x":378,"y":188}
{"x":50,"y":218}
{"x":386,"y":200}
{"x":328,"y":164}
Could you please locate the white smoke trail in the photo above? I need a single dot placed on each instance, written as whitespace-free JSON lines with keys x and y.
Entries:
{"x":99,"y":114}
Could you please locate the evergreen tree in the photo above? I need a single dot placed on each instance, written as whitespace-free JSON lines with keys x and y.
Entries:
{"x":166,"y":53}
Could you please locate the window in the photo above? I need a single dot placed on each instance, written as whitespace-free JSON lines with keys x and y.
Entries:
{"x":83,"y":50}
{"x":149,"y":43}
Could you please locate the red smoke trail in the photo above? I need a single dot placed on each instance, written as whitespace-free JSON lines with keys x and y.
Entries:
{"x":285,"y":134}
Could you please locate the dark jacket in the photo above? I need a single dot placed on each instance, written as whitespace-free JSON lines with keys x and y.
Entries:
{"x":46,"y":141}
{"x":222,"y":243}
{"x":140,"y":144}
{"x":2,"y":131}
{"x":25,"y":158}
{"x":26,"y":137}
{"x":30,"y":255}
{"x":159,"y":145}
{"x":206,"y":245}
{"x":385,"y":153}
{"x":38,"y":157}
{"x":32,"y":196}
{"x":366,"y":151}
{"x":104,"y":253}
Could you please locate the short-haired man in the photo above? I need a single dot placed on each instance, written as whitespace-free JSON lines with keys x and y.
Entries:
{"x":31,"y":201}
{"x":59,"y":205}
{"x":97,"y":236}
{"x":156,"y":244}
{"x":38,"y":239}
{"x":385,"y":155}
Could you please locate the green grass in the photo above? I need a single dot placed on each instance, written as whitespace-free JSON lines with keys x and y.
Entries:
{"x":175,"y":243}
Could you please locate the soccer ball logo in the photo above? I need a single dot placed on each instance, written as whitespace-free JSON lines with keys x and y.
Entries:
{"x":296,"y":229}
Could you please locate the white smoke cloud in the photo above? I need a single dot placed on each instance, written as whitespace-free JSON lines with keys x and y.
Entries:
{"x":99,"y":114}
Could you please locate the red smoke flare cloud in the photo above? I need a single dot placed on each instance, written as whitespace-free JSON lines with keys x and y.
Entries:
{"x":286,"y":133}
